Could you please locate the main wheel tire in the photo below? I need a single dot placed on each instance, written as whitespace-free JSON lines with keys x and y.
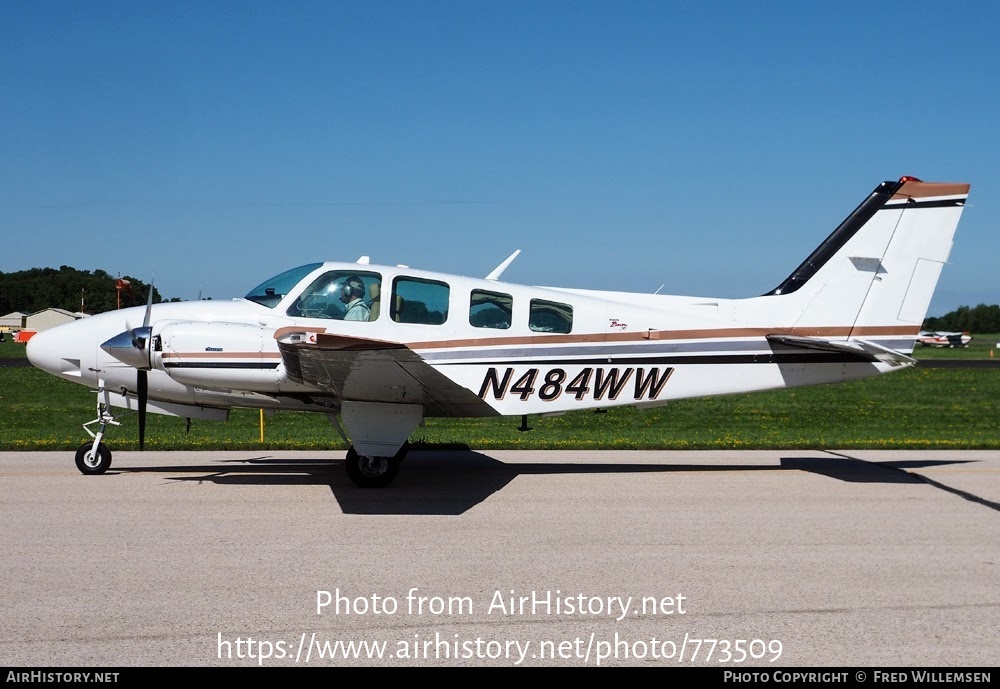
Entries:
{"x":373,"y":472}
{"x":89,"y":463}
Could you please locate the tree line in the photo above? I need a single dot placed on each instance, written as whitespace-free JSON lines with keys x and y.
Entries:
{"x":977,"y":319}
{"x":32,"y":290}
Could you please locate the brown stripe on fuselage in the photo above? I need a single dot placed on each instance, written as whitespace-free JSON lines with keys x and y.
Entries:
{"x":297,"y":329}
{"x":718,"y":333}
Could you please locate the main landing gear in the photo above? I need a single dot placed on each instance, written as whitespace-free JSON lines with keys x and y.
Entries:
{"x":368,"y":471}
{"x":376,"y":428}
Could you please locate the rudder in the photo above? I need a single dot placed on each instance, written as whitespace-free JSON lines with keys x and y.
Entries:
{"x":927,"y":217}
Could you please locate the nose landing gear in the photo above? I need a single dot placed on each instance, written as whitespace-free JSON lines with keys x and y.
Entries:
{"x":89,"y":461}
{"x":94,"y":457}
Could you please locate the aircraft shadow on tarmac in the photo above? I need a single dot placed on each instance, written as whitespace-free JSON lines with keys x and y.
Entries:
{"x":452,"y":482}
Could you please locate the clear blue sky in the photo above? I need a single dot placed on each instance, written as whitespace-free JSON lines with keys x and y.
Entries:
{"x":707,"y":146}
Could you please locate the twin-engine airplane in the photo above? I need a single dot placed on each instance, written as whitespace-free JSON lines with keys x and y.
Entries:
{"x":385,"y":347}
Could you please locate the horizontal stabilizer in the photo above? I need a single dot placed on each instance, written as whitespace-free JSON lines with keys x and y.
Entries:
{"x":868,"y":351}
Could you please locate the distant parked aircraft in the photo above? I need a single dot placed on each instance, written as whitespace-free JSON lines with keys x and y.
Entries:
{"x":929,"y":338}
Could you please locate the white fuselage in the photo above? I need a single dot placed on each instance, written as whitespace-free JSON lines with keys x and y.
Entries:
{"x":347,"y":336}
{"x":621,"y":349}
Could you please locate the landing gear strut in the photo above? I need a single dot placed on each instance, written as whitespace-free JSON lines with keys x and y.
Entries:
{"x":94,"y":457}
{"x":374,"y":472}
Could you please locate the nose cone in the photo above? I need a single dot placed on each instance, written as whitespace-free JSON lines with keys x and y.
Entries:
{"x":50,"y":350}
{"x":130,"y":347}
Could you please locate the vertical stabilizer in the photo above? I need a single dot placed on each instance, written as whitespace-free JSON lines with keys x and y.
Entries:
{"x":876,"y":273}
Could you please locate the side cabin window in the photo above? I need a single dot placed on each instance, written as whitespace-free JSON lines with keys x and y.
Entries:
{"x":490,"y":309}
{"x":550,"y":317}
{"x":419,"y":301}
{"x":341,"y":295}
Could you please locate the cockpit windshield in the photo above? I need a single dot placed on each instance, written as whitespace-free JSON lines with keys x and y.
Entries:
{"x":272,"y":291}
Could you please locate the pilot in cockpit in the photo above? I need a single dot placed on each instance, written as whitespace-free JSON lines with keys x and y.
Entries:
{"x":352,"y":293}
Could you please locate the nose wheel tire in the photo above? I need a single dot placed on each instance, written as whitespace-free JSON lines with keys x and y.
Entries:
{"x":367,"y":471}
{"x":89,"y":462}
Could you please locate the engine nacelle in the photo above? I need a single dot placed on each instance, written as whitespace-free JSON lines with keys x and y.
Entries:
{"x":219,"y":355}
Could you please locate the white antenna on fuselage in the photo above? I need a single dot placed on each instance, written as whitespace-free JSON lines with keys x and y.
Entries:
{"x":495,"y":275}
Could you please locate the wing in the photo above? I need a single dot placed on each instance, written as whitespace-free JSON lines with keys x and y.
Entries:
{"x":359,"y":369}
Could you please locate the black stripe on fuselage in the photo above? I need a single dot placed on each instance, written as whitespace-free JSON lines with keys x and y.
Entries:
{"x":222,"y":364}
{"x":791,"y":358}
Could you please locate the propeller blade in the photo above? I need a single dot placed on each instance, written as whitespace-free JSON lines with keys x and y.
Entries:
{"x":149,"y":306}
{"x":142,"y":388}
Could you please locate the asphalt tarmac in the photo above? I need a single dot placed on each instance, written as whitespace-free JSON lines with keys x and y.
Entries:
{"x":730,"y":559}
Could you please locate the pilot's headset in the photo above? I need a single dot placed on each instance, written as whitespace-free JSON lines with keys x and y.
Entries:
{"x":353,"y":287}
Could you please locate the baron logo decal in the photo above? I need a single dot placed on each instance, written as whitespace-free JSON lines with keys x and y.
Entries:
{"x":590,"y":383}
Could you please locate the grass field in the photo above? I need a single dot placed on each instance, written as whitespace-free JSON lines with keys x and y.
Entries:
{"x":915,"y":408}
{"x":12,"y":350}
